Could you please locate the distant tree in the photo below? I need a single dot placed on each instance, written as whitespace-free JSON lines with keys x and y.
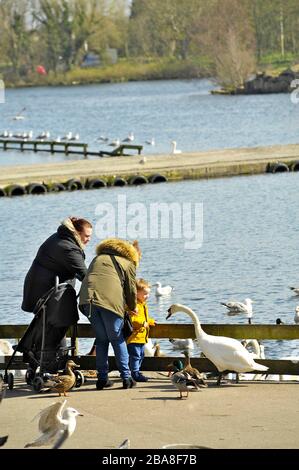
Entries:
{"x":229,"y":39}
{"x":15,"y":34}
{"x":65,"y":26}
{"x":164,"y":28}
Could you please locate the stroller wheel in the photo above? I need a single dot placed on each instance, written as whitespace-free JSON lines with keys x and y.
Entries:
{"x":29,"y":376}
{"x":37,"y":384}
{"x":79,"y":378}
{"x":10,"y":381}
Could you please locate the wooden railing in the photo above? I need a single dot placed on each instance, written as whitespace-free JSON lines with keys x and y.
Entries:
{"x":182,"y":330}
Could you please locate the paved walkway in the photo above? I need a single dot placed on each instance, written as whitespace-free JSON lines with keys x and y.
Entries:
{"x":245,"y":415}
{"x":213,"y":163}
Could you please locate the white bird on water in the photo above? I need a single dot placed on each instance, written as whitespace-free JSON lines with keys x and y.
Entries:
{"x":165,"y":290}
{"x":237,"y":308}
{"x":174,"y":149}
{"x":296,"y":317}
{"x":227,"y":354}
{"x":55,"y":427}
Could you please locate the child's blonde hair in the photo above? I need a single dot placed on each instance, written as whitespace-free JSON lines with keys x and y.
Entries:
{"x":142,"y":284}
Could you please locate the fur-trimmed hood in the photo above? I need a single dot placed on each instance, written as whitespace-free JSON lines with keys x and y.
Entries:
{"x":70,"y":226}
{"x":118,"y":247}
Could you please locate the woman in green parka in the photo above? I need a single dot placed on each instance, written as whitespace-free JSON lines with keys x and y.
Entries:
{"x":107,"y":289}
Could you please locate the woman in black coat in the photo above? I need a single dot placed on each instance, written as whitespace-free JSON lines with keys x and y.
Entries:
{"x":62,"y":255}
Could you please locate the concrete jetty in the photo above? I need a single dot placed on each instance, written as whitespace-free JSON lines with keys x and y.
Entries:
{"x":247,"y":415}
{"x":214,"y":163}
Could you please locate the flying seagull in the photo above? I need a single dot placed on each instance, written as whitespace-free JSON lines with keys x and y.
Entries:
{"x":55,"y":426}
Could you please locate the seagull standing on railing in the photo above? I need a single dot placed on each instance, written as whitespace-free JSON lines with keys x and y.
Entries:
{"x":130,"y":138}
{"x":296,"y":317}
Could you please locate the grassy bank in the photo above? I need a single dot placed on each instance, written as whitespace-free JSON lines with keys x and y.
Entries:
{"x":123,"y":71}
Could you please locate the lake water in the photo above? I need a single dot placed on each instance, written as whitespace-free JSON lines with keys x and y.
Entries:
{"x":250,"y":224}
{"x":181,"y":110}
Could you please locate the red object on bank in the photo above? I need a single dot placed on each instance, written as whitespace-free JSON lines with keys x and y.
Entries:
{"x":41,"y":70}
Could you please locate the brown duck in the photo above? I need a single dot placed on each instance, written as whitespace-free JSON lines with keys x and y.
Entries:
{"x":193,"y":372}
{"x":63,"y":383}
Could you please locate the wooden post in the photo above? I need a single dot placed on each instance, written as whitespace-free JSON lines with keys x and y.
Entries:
{"x":85,"y":150}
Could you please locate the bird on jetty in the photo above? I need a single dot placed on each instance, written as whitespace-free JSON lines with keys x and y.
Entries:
{"x":178,"y":366}
{"x":296,"y":317}
{"x":114,"y":143}
{"x":165,"y":290}
{"x":130,"y":138}
{"x":55,"y":426}
{"x":278,"y":321}
{"x":174,"y":149}
{"x":151,"y":141}
{"x":63,"y":383}
{"x":295,"y":290}
{"x":143,"y":160}
{"x":227,"y":354}
{"x":237,"y":308}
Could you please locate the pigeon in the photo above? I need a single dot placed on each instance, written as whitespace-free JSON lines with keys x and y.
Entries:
{"x":55,"y":426}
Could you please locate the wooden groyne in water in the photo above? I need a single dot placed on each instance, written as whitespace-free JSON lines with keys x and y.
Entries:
{"x":135,"y":169}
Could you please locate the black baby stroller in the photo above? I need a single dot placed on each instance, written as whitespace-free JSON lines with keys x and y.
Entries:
{"x":43,"y":344}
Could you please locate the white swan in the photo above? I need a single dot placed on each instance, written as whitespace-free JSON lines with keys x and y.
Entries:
{"x":237,"y":308}
{"x":296,"y":317}
{"x":165,"y":290}
{"x":174,"y":149}
{"x":227,"y":354}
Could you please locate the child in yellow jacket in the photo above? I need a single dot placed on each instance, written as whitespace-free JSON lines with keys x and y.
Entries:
{"x":141,"y":323}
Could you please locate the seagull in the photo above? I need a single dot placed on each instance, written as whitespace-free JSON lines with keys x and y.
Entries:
{"x":130,"y":138}
{"x":19,"y":115}
{"x":174,"y":149}
{"x":166,"y":290}
{"x":102,"y":138}
{"x":237,"y":308}
{"x":151,"y":141}
{"x":115,"y":143}
{"x":296,"y":317}
{"x":182,"y":344}
{"x":295,"y":290}
{"x":55,"y":427}
{"x":68,"y":136}
{"x":143,"y":160}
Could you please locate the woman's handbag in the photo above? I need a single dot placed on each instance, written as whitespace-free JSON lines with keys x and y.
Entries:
{"x":128,"y":327}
